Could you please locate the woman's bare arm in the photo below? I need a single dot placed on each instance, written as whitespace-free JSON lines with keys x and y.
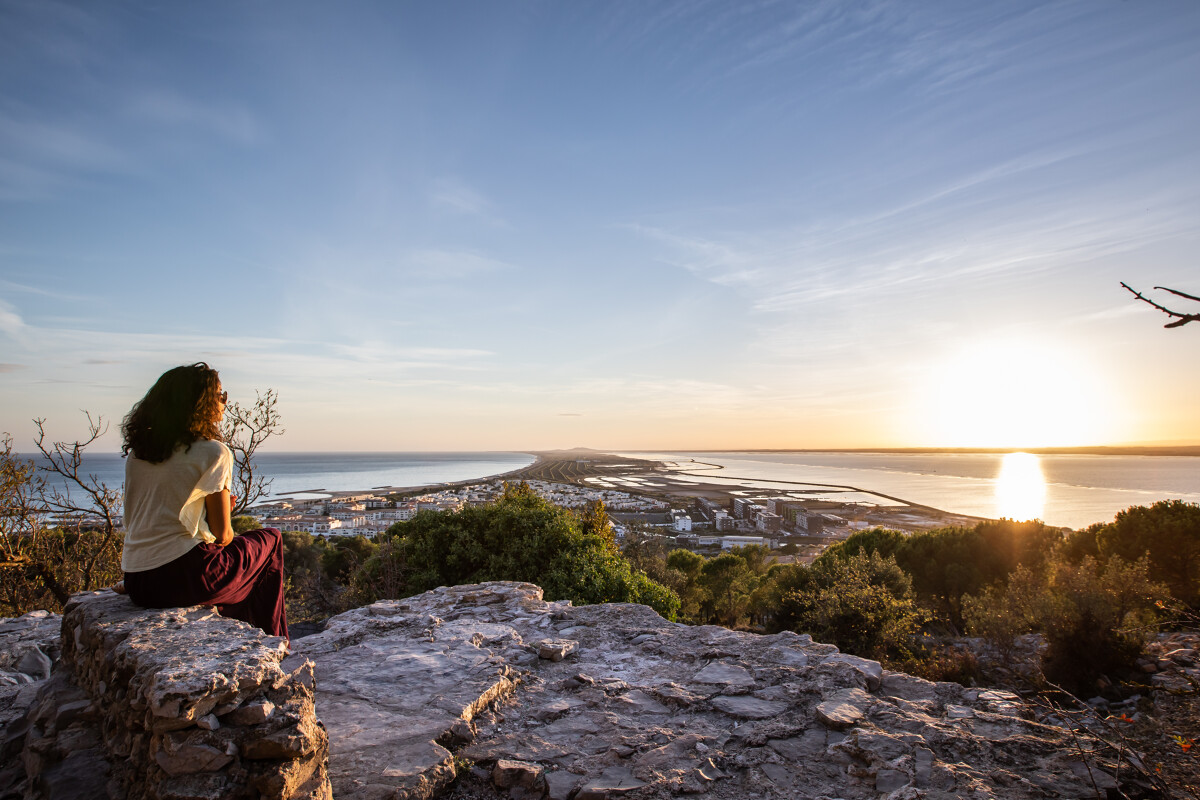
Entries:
{"x":218,"y":505}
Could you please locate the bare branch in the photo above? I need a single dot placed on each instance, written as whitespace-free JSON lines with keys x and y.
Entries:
{"x":1178,"y":293}
{"x":66,"y":460}
{"x":1179,"y":319}
{"x":245,"y":429}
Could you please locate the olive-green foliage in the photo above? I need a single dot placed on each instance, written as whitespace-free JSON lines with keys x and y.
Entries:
{"x":245,"y":522}
{"x":727,"y":582}
{"x":687,"y":565}
{"x":344,"y":555}
{"x":521,"y":537}
{"x":863,"y":603}
{"x":55,"y":563}
{"x":649,"y":553}
{"x":729,"y":589}
{"x":1169,"y":533}
{"x":947,"y":563}
{"x":1090,"y":615}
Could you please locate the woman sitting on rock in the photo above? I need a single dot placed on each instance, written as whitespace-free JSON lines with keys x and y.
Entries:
{"x":180,"y":549}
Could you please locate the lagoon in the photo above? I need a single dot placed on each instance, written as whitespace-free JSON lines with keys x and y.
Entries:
{"x":1078,"y":489}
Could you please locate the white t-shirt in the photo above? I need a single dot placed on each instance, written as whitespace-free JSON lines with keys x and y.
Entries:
{"x":164,"y":503}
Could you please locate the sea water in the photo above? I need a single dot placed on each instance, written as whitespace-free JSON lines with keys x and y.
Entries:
{"x":1078,"y":490}
{"x":321,"y":473}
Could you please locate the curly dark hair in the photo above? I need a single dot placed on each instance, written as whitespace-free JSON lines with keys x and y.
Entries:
{"x":184,"y":405}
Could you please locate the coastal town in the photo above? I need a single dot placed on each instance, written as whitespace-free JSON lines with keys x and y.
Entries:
{"x":701,"y":517}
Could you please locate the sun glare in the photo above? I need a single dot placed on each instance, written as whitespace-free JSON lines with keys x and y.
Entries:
{"x":1016,"y":393}
{"x":1020,"y":487}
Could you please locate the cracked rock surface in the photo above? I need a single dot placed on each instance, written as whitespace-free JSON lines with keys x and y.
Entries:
{"x":28,"y":648}
{"x":543,"y":699}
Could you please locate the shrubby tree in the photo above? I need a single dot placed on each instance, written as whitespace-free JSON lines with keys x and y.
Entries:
{"x":862,"y":603}
{"x":245,"y":522}
{"x":727,"y":582}
{"x":687,"y":564}
{"x":1168,"y":533}
{"x":947,"y":563}
{"x":1091,"y":614}
{"x":42,"y":565}
{"x":520,"y":537}
{"x":345,"y":554}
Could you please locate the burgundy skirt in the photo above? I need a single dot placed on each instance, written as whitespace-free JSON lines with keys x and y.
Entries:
{"x":244,"y":580}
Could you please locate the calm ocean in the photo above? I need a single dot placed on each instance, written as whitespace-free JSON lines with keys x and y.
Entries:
{"x":341,"y":472}
{"x":1078,"y":490}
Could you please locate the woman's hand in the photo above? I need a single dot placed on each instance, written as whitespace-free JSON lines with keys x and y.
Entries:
{"x":218,"y":506}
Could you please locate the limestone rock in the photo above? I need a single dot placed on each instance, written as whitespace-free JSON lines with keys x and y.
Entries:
{"x":251,"y":713}
{"x":747,"y":707}
{"x":507,"y":774}
{"x":726,"y":674}
{"x":647,"y":707}
{"x":29,"y":646}
{"x":556,"y":649}
{"x":137,"y":691}
{"x":409,"y":690}
{"x":843,"y":709}
{"x":871,"y":671}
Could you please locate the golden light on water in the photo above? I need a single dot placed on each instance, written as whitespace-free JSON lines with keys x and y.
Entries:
{"x":1020,"y":487}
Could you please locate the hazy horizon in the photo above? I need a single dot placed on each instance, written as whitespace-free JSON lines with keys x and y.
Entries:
{"x":272,"y":449}
{"x":734,"y":225}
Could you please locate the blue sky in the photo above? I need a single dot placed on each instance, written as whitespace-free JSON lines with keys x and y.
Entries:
{"x":620,"y":225}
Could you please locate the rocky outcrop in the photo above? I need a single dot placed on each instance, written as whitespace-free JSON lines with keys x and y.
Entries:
{"x":29,"y":646}
{"x":524,"y":698}
{"x":28,"y":649}
{"x":488,"y":691}
{"x":178,"y":704}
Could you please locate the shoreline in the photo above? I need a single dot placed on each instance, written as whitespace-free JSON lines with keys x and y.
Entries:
{"x":576,"y":467}
{"x":678,"y":478}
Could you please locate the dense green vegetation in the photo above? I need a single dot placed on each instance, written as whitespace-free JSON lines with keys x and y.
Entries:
{"x":1092,"y":594}
{"x":520,"y":537}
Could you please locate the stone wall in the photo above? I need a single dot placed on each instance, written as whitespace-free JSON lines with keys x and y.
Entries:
{"x":177,"y":704}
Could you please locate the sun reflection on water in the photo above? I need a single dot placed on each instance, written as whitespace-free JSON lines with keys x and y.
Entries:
{"x":1020,"y":487}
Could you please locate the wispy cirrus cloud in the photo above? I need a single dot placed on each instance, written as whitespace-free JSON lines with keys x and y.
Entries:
{"x":450,"y":264}
{"x":10,"y":321}
{"x":455,"y":196}
{"x":170,"y":108}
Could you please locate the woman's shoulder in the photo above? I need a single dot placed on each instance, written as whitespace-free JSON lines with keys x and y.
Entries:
{"x":210,"y":450}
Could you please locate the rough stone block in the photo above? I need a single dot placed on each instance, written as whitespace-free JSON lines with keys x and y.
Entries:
{"x":871,"y":671}
{"x":556,"y":649}
{"x":844,"y":709}
{"x":507,"y":774}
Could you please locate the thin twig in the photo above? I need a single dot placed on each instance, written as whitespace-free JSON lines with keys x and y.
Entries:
{"x":1180,"y":318}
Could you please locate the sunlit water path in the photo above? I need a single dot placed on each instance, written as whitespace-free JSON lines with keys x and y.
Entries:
{"x":1073,"y":490}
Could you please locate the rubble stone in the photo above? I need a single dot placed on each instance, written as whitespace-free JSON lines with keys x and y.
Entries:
{"x":137,"y":691}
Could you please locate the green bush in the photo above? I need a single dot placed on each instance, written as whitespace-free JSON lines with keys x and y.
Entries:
{"x":1168,"y":532}
{"x":521,"y":537}
{"x":862,"y":603}
{"x":1090,"y":615}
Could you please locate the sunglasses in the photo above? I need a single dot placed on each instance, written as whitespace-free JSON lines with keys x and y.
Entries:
{"x":224,"y":397}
